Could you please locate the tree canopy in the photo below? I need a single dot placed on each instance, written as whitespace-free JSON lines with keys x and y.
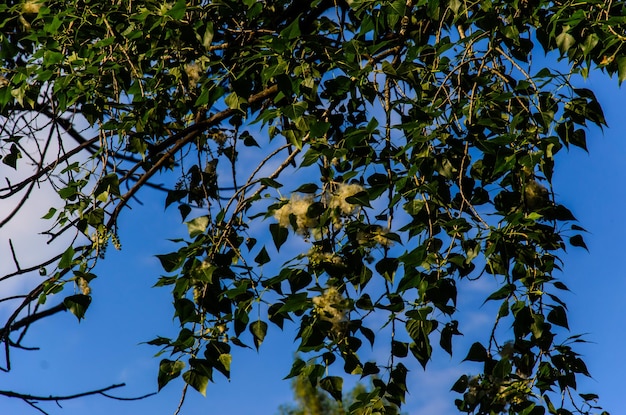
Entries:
{"x":348,"y":168}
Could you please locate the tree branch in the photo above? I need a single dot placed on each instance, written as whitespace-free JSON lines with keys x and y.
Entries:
{"x":28,"y":397}
{"x":31,"y":319}
{"x":177,"y":142}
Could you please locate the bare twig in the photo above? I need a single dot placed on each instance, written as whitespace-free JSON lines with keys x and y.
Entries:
{"x":182,"y":400}
{"x":26,"y":321}
{"x":28,"y":397}
{"x":17,"y":264}
{"x":137,"y":398}
{"x":12,"y":189}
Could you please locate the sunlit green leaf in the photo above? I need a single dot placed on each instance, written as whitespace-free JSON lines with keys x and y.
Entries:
{"x":169,"y":370}
{"x":258,"y":329}
{"x":196,"y":380}
{"x":197,"y":226}
{"x":67,"y":259}
{"x":177,"y":11}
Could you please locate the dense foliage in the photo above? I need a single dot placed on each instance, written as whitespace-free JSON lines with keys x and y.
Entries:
{"x":314,"y":401}
{"x":346,"y":165}
{"x":309,"y":400}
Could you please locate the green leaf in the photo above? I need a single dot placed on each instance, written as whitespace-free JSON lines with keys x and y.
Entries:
{"x":197,"y":226}
{"x":159,"y":341}
{"x":422,"y":350}
{"x":298,"y":280}
{"x":259,"y":330}
{"x":419,"y":329}
{"x":184,"y":210}
{"x":502,"y":293}
{"x":368,"y":334}
{"x":502,"y":369}
{"x":263,"y":257}
{"x":207,"y":38}
{"x":387,"y":267}
{"x":295,"y":302}
{"x":361,"y":199}
{"x":169,"y":370}
{"x":295,"y":111}
{"x":577,"y":240}
{"x":449,"y":330}
{"x":538,"y":325}
{"x":218,"y":355}
{"x":50,"y":213}
{"x":196,"y":380}
{"x":170,"y":262}
{"x":108,"y":185}
{"x":399,"y":349}
{"x":279,"y":235}
{"x":477,"y":353}
{"x":53,"y":26}
{"x":178,"y":10}
{"x":565,"y":41}
{"x":558,"y":316}
{"x":333,"y":385}
{"x":307,"y":188}
{"x":184,"y":341}
{"x":461,"y":384}
{"x":589,"y":396}
{"x":77,"y":304}
{"x":249,"y":141}
{"x":297,"y":368}
{"x":292,"y":31}
{"x":621,"y":69}
{"x":67,"y":259}
{"x":294,"y":138}
{"x":225,"y":360}
{"x":266,"y":181}
{"x":185,"y":311}
{"x":174,"y":196}
{"x":234,"y":101}
{"x":11,"y":158}
{"x":315,"y":210}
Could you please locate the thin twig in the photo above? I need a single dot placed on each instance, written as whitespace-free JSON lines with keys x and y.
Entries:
{"x":17,"y":187}
{"x":17,"y":264}
{"x":28,"y":397}
{"x":117,"y":398}
{"x":31,"y":319}
{"x":177,"y":142}
{"x":182,"y":399}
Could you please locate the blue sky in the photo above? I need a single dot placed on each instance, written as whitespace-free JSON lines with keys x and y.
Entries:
{"x":592,"y":185}
{"x":106,"y":348}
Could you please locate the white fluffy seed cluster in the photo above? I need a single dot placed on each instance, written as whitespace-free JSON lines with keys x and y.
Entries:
{"x":340,"y":209}
{"x":31,"y":7}
{"x":342,"y":192}
{"x":331,"y":306}
{"x":317,"y":256}
{"x":375,"y":237}
{"x":83,"y":285}
{"x":296,"y":206}
{"x":193,"y":73}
